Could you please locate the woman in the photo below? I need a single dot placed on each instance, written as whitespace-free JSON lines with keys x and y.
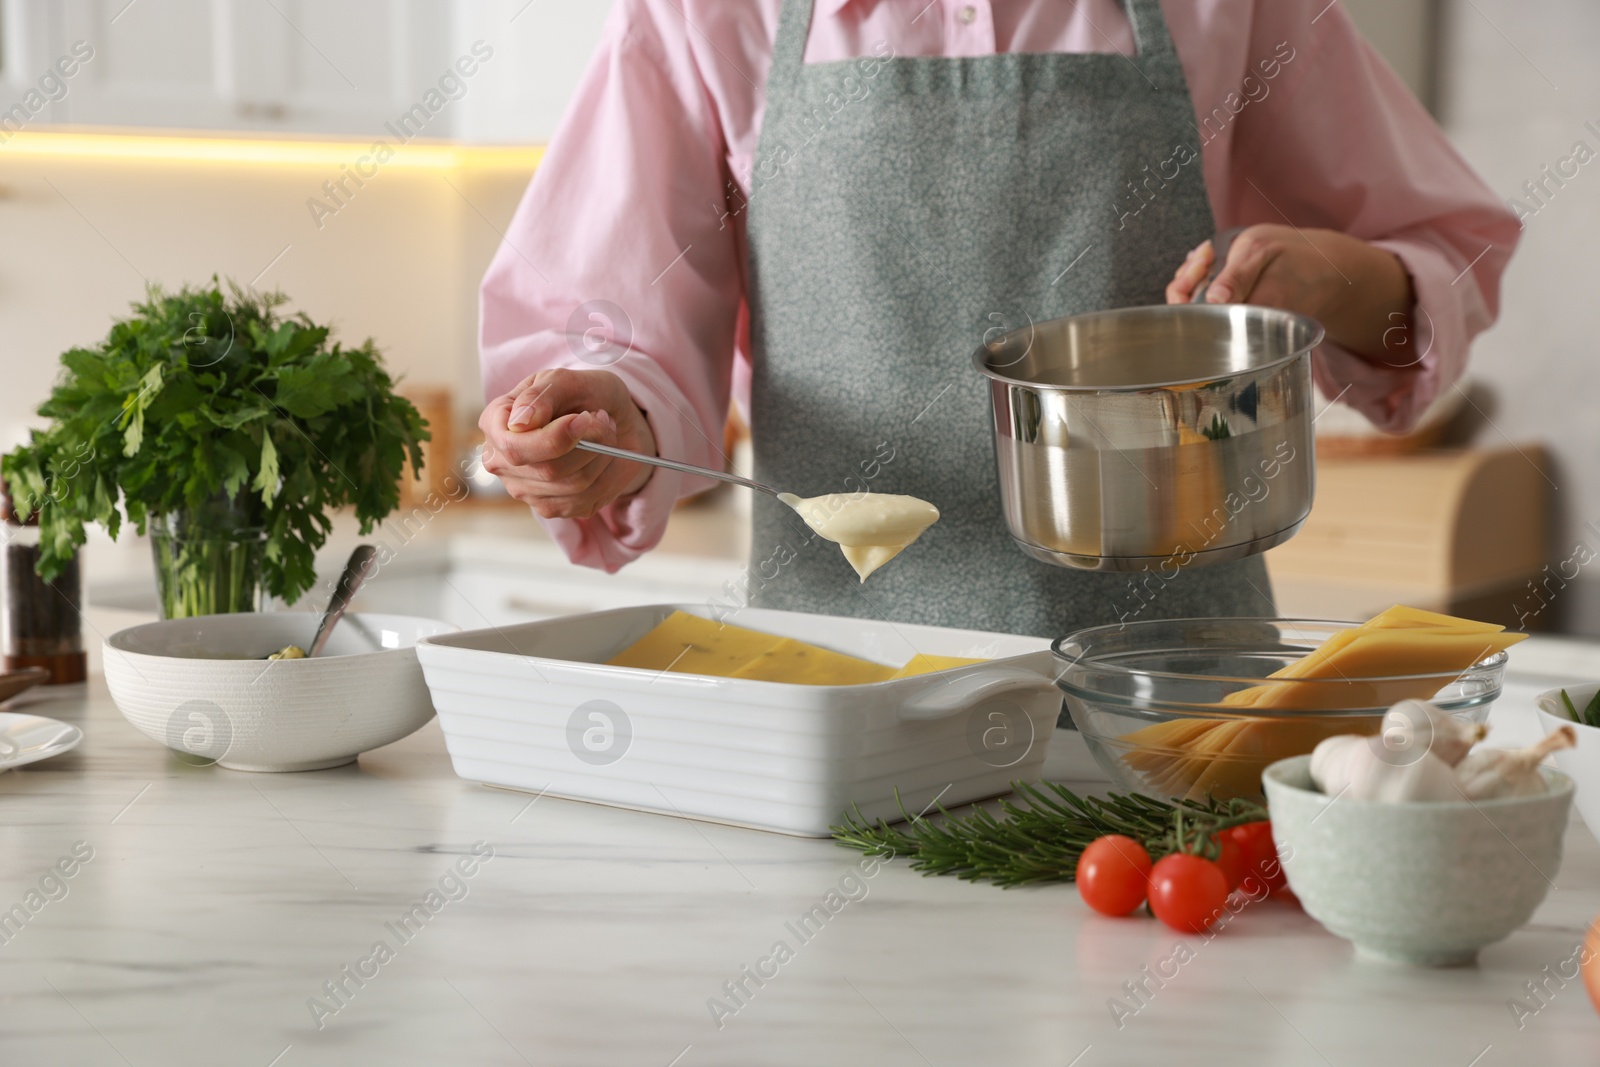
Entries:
{"x":824,"y":206}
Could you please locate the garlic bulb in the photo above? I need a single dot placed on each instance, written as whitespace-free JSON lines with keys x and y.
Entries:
{"x":1415,"y":725}
{"x":1328,"y":760}
{"x":1490,"y":773}
{"x":1361,"y":768}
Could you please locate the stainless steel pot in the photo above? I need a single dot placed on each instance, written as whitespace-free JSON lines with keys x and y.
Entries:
{"x":1150,"y":437}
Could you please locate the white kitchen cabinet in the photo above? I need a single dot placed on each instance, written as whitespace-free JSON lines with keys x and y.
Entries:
{"x":339,"y":67}
{"x":474,"y":582}
{"x":487,"y":582}
{"x":348,"y":67}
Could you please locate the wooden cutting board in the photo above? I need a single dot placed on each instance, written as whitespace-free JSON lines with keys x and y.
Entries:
{"x":14,"y":682}
{"x":1431,"y":529}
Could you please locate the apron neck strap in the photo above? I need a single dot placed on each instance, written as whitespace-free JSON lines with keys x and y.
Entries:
{"x":1156,"y":56}
{"x":1150,"y":37}
{"x":789,"y":49}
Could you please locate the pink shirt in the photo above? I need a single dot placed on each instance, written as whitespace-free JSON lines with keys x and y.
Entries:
{"x":638,"y":199}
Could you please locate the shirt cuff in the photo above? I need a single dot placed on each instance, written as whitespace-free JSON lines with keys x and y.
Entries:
{"x":626,"y":529}
{"x":1428,"y":359}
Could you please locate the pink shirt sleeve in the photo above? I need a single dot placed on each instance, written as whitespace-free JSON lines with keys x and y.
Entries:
{"x":1335,"y":140}
{"x":622,"y":211}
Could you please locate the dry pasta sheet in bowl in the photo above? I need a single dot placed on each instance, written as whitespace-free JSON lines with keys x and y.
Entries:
{"x":1197,"y":708}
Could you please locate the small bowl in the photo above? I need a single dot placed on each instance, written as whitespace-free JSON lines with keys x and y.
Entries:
{"x":1582,"y":763}
{"x":1146,"y":698}
{"x":201,"y":687}
{"x":1425,"y":884}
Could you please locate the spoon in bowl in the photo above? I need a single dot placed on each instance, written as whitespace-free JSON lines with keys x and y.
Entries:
{"x":356,"y":571}
{"x":871,"y":528}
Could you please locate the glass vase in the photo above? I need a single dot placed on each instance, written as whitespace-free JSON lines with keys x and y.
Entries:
{"x":208,"y":560}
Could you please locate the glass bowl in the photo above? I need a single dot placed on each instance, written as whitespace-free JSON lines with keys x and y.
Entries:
{"x":1165,"y":705}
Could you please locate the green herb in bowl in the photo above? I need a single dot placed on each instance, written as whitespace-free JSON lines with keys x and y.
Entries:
{"x":1590,"y":716}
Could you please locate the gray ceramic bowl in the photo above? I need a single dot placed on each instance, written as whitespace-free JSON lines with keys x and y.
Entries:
{"x":1427,"y":884}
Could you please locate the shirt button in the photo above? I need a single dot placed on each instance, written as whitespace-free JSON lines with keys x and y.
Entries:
{"x":967,"y":15}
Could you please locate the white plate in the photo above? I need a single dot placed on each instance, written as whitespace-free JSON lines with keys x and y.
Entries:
{"x":31,"y":738}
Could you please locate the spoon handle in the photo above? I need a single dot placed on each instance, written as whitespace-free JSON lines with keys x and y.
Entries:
{"x":674,"y":465}
{"x":355,"y":572}
{"x":1220,"y":244}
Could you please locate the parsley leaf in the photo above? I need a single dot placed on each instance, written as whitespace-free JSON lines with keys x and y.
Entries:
{"x":201,"y":396}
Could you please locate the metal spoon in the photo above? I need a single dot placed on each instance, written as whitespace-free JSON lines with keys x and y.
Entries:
{"x":684,"y":468}
{"x":356,"y":570}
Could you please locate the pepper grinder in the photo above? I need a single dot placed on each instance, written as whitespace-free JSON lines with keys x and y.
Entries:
{"x":41,"y":622}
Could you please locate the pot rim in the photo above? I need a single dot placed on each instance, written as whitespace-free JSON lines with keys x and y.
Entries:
{"x":980,"y":357}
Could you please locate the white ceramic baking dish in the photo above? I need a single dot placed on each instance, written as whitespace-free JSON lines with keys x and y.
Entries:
{"x":535,"y":707}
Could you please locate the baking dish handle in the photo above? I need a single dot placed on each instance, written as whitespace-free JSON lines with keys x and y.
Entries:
{"x":960,"y":693}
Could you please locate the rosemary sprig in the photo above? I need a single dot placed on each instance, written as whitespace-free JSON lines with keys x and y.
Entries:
{"x":1041,"y":842}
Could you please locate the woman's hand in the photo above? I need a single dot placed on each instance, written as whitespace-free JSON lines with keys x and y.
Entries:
{"x":1360,"y":293}
{"x":530,"y":437}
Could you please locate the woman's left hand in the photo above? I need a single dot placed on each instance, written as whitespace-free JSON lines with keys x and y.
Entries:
{"x":1359,"y":292}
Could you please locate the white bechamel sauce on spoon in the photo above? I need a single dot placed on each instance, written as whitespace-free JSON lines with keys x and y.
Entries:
{"x":871,"y":528}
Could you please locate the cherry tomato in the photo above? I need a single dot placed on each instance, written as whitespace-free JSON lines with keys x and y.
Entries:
{"x":1113,"y":875}
{"x":1591,"y":963}
{"x":1187,"y":892}
{"x":1259,"y":855}
{"x":1231,"y":858}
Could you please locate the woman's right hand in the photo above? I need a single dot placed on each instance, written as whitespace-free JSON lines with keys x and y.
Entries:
{"x":531,"y":433}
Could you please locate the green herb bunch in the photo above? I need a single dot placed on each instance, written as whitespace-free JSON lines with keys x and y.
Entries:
{"x":198,"y":397}
{"x":1041,"y":840}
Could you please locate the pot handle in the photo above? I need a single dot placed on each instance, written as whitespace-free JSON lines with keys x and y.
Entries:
{"x":966,"y":690}
{"x":1220,"y":244}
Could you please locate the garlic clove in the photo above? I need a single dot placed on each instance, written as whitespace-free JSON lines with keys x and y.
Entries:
{"x":1493,"y":773}
{"x":1423,"y":780}
{"x":1363,"y":768}
{"x":1416,"y":725}
{"x":1333,"y":762}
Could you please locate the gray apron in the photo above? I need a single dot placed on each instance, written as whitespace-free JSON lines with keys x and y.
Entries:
{"x":902,"y":208}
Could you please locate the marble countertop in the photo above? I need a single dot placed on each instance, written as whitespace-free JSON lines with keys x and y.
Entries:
{"x":216,"y":917}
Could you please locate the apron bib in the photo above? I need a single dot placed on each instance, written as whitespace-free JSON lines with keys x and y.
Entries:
{"x":902,"y":209}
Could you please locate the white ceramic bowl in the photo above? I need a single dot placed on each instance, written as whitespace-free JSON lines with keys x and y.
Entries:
{"x":200,"y":687}
{"x":1426,"y":884}
{"x":1582,"y":763}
